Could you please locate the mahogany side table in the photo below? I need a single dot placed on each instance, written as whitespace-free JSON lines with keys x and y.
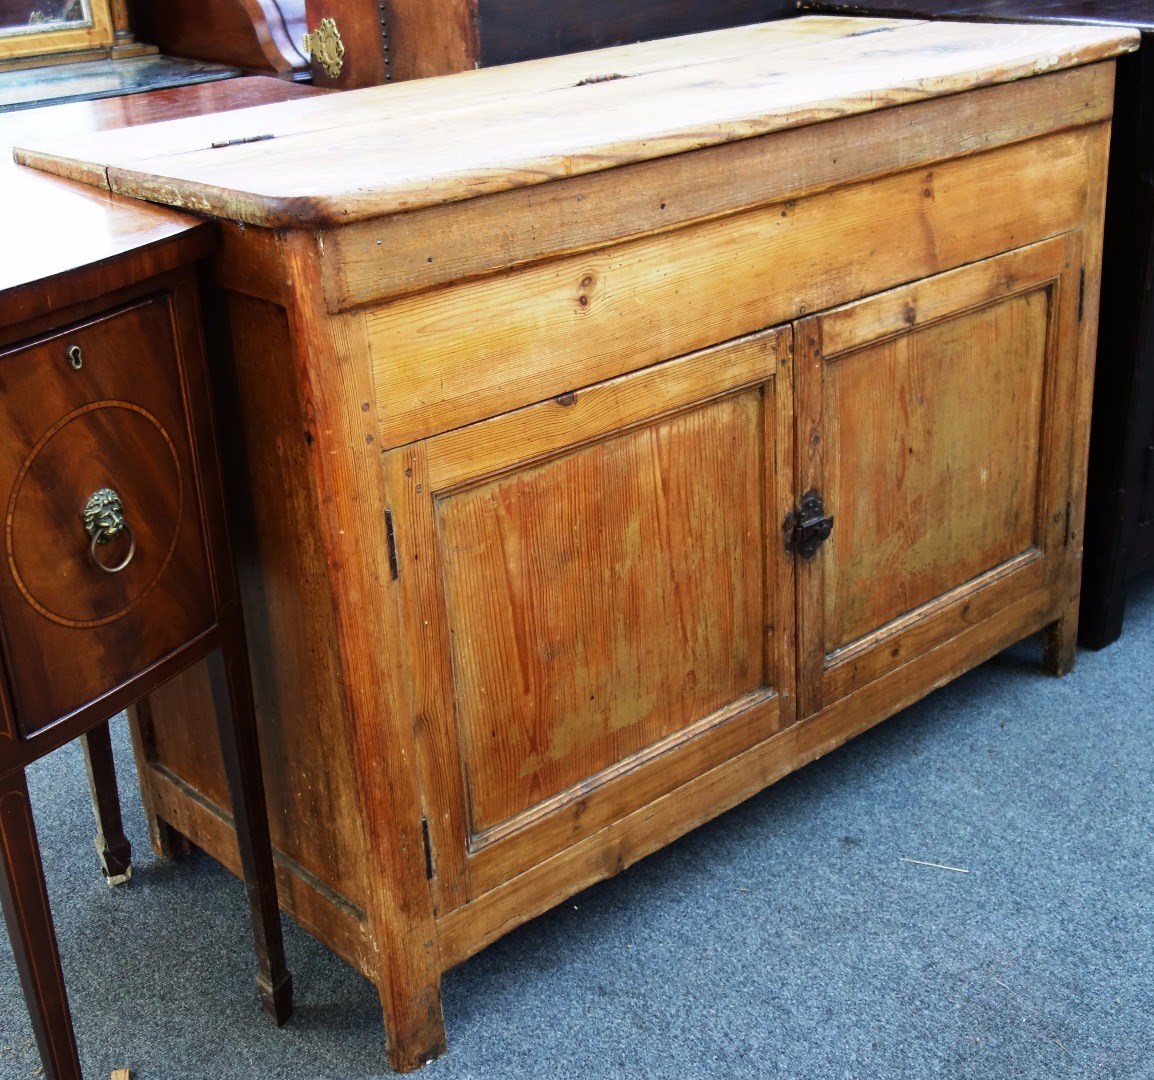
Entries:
{"x":117,"y":571}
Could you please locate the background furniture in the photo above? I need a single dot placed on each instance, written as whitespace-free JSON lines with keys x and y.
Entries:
{"x":607,"y":460}
{"x":456,"y":35}
{"x":1120,"y":494}
{"x":260,"y":36}
{"x":392,"y":40}
{"x":39,"y":32}
{"x":103,"y":384}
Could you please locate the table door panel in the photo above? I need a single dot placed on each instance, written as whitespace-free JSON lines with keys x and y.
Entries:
{"x":939,"y":457}
{"x":601,"y":598}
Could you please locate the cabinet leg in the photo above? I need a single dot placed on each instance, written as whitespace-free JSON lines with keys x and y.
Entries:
{"x":1058,"y":643}
{"x":236,"y":724}
{"x":24,"y":898}
{"x":414,"y":1026}
{"x":111,"y":844}
{"x":166,"y":842}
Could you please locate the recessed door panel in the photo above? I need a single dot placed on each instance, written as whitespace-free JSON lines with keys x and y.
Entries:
{"x":934,"y":484}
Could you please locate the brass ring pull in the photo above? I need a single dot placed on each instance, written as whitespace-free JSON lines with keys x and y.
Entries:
{"x":104,"y":521}
{"x":100,"y":537}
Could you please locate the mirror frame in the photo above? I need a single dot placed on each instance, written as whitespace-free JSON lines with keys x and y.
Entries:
{"x":99,"y":34}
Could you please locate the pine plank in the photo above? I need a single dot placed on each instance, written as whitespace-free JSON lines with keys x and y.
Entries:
{"x":551,"y":327}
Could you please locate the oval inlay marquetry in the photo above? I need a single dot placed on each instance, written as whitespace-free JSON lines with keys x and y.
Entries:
{"x":106,"y":443}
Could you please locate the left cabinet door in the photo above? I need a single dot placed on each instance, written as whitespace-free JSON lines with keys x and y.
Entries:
{"x":596,"y":605}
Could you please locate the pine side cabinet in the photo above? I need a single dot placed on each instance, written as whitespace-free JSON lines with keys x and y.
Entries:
{"x":622,"y":431}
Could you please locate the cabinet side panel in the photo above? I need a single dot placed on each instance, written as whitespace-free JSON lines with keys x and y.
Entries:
{"x":314,"y":813}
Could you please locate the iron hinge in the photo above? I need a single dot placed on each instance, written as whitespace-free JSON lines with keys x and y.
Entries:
{"x":1081,"y":293}
{"x":391,"y":533}
{"x":808,"y":527}
{"x":427,"y":841}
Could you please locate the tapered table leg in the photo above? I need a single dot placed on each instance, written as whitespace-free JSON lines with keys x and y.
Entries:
{"x":25,"y":902}
{"x":111,"y":844}
{"x":236,"y":723}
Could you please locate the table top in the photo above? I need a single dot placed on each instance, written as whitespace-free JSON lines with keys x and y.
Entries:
{"x":55,"y":228}
{"x":365,"y":153}
{"x":88,"y":80}
{"x":1138,"y":14}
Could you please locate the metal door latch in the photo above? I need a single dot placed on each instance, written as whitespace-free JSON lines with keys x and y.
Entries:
{"x":808,"y":527}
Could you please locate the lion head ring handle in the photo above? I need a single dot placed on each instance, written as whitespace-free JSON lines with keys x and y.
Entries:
{"x":104,"y":521}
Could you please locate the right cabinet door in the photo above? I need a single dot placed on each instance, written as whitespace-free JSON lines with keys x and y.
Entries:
{"x":934,"y":421}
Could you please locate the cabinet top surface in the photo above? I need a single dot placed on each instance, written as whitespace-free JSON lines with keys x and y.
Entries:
{"x":340,"y":158}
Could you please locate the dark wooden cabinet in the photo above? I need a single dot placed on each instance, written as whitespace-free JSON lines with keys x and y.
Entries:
{"x":259,"y":36}
{"x":1119,"y":535}
{"x":117,"y":575}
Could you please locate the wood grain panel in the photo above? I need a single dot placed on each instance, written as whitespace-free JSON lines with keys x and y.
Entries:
{"x":556,"y":579}
{"x":543,"y":330}
{"x":912,"y":453}
{"x":604,"y":600}
{"x":402,"y":253}
{"x":945,"y":506}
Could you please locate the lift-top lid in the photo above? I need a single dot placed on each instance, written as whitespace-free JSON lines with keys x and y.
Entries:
{"x":347,"y":157}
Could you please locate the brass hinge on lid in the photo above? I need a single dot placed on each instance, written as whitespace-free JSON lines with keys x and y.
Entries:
{"x":808,"y":527}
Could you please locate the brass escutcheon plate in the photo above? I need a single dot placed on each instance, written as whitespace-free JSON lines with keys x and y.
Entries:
{"x":325,"y":46}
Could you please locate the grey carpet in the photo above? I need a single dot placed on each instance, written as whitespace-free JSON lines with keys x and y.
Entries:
{"x":789,"y":938}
